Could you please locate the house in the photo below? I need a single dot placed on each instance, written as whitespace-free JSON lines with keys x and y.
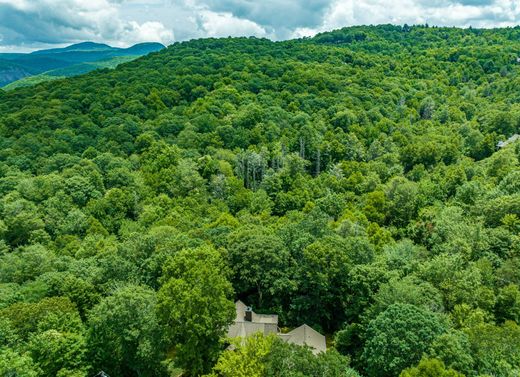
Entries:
{"x":512,"y":139}
{"x":247,"y":323}
{"x":306,"y":336}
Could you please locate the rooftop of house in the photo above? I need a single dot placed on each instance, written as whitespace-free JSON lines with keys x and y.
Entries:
{"x":306,"y":336}
{"x":247,"y":323}
{"x":512,"y":139}
{"x":246,"y":313}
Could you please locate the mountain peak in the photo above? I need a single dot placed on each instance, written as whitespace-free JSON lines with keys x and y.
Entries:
{"x":148,"y":46}
{"x":145,"y":48}
{"x":87,"y":46}
{"x":67,"y":61}
{"x":82,"y":46}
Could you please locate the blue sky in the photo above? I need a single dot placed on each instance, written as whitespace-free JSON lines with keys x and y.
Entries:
{"x":30,"y":24}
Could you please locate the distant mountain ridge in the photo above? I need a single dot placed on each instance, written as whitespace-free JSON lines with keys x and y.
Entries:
{"x":16,"y":66}
{"x":101,"y":47}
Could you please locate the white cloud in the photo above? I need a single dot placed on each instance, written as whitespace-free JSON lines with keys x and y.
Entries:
{"x":224,"y":24}
{"x":37,"y":23}
{"x":477,"y":13}
{"x":462,"y":13}
{"x":303,"y":32}
{"x":151,"y":31}
{"x":43,"y":22}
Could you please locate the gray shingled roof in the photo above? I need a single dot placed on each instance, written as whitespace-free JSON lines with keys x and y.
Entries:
{"x":306,"y":336}
{"x":512,"y":139}
{"x":268,"y":324}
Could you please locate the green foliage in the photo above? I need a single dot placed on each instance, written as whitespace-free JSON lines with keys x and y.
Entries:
{"x":496,"y":348}
{"x":430,"y":368}
{"x":397,"y":338}
{"x":55,"y":313}
{"x":454,"y":349}
{"x":408,"y":291}
{"x":124,"y":334}
{"x":14,"y":364}
{"x":351,"y":181}
{"x":32,"y":80}
{"x":508,"y":303}
{"x":260,"y":262}
{"x":271,"y":357}
{"x":246,"y":358}
{"x":289,"y":360}
{"x":55,"y":352}
{"x":194,"y":306}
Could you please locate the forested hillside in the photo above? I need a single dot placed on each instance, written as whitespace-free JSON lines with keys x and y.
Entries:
{"x":17,"y":69}
{"x":350,"y":181}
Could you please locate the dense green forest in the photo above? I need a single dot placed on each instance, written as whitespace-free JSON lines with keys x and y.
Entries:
{"x":350,"y":181}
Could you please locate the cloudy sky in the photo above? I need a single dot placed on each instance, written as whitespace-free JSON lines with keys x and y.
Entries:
{"x":30,"y":24}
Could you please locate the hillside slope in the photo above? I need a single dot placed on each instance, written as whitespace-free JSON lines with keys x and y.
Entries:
{"x":77,"y":58}
{"x":352,"y":181}
{"x":70,"y":71}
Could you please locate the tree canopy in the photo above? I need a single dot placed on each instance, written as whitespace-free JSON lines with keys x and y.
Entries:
{"x":352,"y":181}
